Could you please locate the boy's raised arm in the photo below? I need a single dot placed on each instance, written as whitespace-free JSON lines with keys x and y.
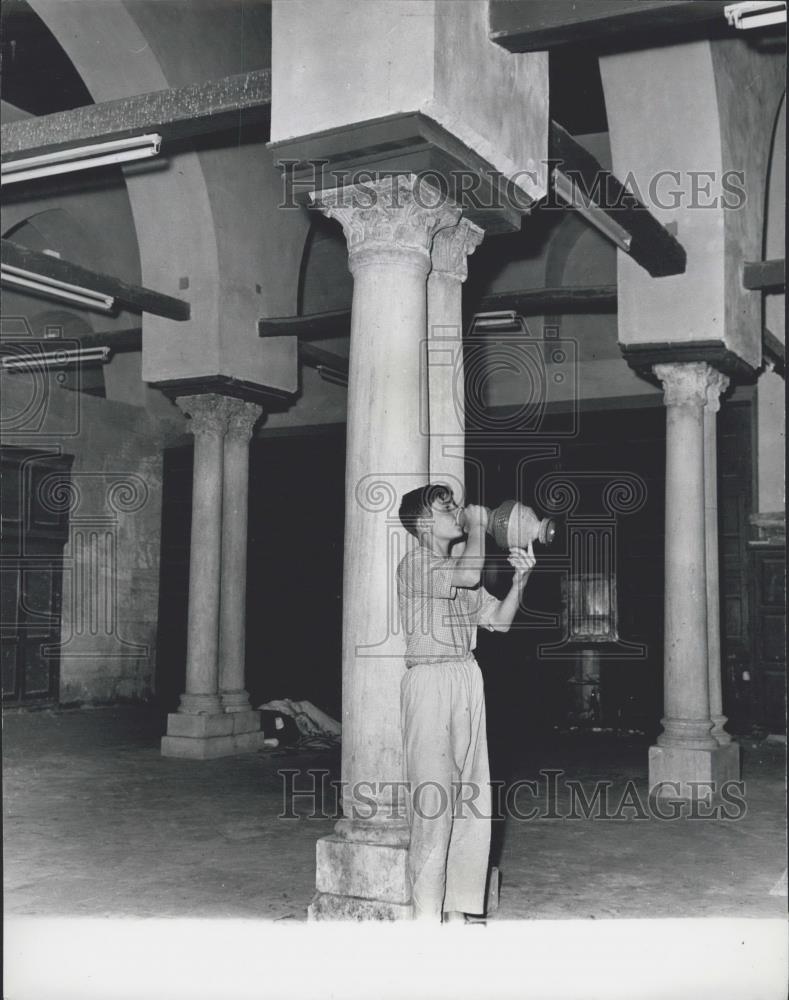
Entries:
{"x":468,"y":571}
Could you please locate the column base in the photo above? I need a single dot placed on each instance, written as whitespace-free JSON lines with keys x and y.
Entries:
{"x":718,"y":732}
{"x":326,"y":906}
{"x":199,"y":704}
{"x":235,"y":701}
{"x":222,"y":734}
{"x":356,"y":880}
{"x":677,"y":767}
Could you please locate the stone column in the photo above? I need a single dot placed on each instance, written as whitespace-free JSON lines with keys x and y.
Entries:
{"x":446,"y":422}
{"x":389,"y":227}
{"x":716,"y":385}
{"x":686,"y":750}
{"x":242,"y":417}
{"x":201,"y":728}
{"x":207,"y":423}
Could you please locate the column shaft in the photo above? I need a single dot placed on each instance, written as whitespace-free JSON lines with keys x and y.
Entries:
{"x":450,"y":251}
{"x":384,"y":441}
{"x":718,"y":383}
{"x":686,"y":685}
{"x":361,"y":870}
{"x":235,"y":503}
{"x":208,"y":424}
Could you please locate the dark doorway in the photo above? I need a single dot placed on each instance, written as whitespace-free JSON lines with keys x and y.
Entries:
{"x":294,"y":582}
{"x":294,"y":570}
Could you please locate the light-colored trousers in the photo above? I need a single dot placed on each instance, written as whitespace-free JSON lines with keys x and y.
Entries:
{"x":442,"y":708}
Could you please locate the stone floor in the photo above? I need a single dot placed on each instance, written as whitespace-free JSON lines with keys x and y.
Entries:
{"x":97,"y":823}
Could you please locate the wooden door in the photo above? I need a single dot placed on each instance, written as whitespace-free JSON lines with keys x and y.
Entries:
{"x":34,"y":531}
{"x":769,"y":639}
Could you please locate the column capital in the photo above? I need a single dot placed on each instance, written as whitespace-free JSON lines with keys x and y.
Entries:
{"x":684,"y":384}
{"x":717,"y":384}
{"x":452,"y":247}
{"x":207,"y":413}
{"x":389,"y":220}
{"x":241,"y":418}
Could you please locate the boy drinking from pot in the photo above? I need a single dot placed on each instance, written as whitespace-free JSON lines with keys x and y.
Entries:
{"x":442,"y":703}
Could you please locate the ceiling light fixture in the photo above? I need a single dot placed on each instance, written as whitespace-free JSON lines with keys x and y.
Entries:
{"x":756,"y":14}
{"x":63,"y":161}
{"x":40,"y":284}
{"x":54,"y":359}
{"x":569,"y":192}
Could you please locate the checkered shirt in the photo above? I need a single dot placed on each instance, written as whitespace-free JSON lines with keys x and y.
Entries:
{"x":439,"y":620}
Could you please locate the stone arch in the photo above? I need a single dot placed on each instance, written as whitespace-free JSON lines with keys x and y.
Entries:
{"x":171,"y":207}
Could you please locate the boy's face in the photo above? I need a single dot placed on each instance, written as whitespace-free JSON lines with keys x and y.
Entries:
{"x":443,"y":522}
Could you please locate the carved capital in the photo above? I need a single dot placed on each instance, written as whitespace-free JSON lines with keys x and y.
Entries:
{"x":717,"y":384}
{"x":684,"y":384}
{"x":452,"y":246}
{"x":390,"y":220}
{"x":241,"y":418}
{"x":207,"y":413}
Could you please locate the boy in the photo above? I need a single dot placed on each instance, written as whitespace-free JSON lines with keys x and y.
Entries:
{"x":441,"y":699}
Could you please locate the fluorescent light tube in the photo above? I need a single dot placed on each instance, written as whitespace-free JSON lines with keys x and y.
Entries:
{"x":755,"y":14}
{"x":55,"y":359}
{"x":64,"y":161}
{"x":51,"y":287}
{"x":571,"y":195}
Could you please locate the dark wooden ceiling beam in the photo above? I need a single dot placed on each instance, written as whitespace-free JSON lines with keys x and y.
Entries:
{"x":765,"y":275}
{"x":652,"y":245}
{"x":774,"y":352}
{"x":179,"y":113}
{"x":553,"y":301}
{"x":533,"y":25}
{"x":135,"y":297}
{"x":317,"y":357}
{"x":532,"y":302}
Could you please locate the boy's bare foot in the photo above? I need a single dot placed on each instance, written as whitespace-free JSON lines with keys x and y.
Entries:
{"x":453,"y":917}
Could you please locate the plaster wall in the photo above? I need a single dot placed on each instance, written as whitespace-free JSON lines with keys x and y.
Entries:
{"x":91,"y":225}
{"x":771,"y":388}
{"x":663,"y":116}
{"x":111,"y":561}
{"x":340,"y":63}
{"x":698,"y":111}
{"x":190,"y":246}
{"x":750,"y":84}
{"x":258,"y":243}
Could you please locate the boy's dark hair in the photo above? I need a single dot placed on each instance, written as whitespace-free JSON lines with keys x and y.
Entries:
{"x":419,"y":502}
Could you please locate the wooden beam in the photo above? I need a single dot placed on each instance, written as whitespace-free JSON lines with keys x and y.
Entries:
{"x":774,"y":352}
{"x":532,"y":302}
{"x":765,"y":275}
{"x":119,"y":341}
{"x":550,"y":301}
{"x":134,"y":296}
{"x":335,"y":323}
{"x":316,"y":357}
{"x":652,"y":245}
{"x":175,"y":114}
{"x":533,"y":25}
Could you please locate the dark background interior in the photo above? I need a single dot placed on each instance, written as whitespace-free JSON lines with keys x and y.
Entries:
{"x":294,"y":593}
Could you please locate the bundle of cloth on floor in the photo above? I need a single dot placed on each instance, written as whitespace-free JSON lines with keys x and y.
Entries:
{"x":298,"y":723}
